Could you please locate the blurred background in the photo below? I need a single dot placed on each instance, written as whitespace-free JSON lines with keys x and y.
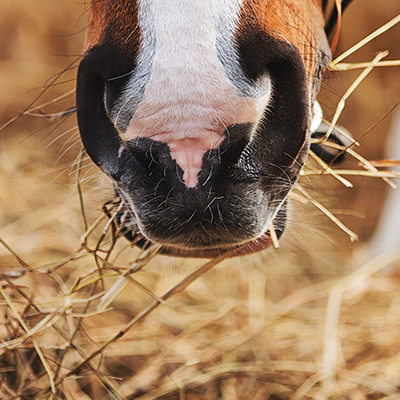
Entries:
{"x":41,"y":221}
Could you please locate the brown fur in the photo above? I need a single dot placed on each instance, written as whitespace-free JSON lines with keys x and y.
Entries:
{"x":121,"y":17}
{"x":298,"y":22}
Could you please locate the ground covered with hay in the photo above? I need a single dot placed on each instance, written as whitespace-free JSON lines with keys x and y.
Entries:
{"x":85,"y":315}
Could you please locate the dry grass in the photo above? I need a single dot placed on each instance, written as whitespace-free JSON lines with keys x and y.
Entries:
{"x":84,"y":315}
{"x":104,"y":323}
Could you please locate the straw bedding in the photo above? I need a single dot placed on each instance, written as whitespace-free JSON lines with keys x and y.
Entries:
{"x":84,"y":315}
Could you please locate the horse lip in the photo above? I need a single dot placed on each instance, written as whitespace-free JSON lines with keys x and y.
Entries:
{"x":255,"y":245}
{"x":252,"y":246}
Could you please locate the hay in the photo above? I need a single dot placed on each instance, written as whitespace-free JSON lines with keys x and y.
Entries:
{"x":84,"y":315}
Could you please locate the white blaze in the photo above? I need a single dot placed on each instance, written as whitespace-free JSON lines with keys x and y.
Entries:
{"x":189,"y":100}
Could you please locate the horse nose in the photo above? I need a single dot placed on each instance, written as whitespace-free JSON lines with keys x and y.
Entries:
{"x":237,"y":138}
{"x":139,"y":152}
{"x":189,"y":159}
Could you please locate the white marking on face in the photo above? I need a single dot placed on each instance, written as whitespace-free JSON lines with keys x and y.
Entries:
{"x":190,"y":76}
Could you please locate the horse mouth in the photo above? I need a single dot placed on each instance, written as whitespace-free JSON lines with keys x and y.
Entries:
{"x":250,"y":247}
{"x":130,"y":230}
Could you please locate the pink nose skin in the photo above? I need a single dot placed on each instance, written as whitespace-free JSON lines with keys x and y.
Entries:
{"x":187,"y":149}
{"x":190,"y":130}
{"x":188,"y":154}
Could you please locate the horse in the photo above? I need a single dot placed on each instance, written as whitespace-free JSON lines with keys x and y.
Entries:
{"x":201,"y":113}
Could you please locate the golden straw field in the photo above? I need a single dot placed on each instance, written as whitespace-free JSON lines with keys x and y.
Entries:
{"x":84,"y":315}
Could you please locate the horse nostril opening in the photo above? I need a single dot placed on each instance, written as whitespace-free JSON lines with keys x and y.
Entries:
{"x":140,"y":153}
{"x":238,"y":137}
{"x":149,"y":153}
{"x":231,"y":152}
{"x":155,"y":159}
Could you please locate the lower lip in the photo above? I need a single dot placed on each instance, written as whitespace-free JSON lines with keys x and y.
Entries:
{"x":253,"y":246}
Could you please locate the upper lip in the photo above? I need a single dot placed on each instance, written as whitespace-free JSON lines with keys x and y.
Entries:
{"x":134,"y":234}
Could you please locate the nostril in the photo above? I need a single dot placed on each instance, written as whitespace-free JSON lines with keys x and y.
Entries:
{"x":155,"y":159}
{"x":238,"y":137}
{"x":141,"y":150}
{"x":191,"y":159}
